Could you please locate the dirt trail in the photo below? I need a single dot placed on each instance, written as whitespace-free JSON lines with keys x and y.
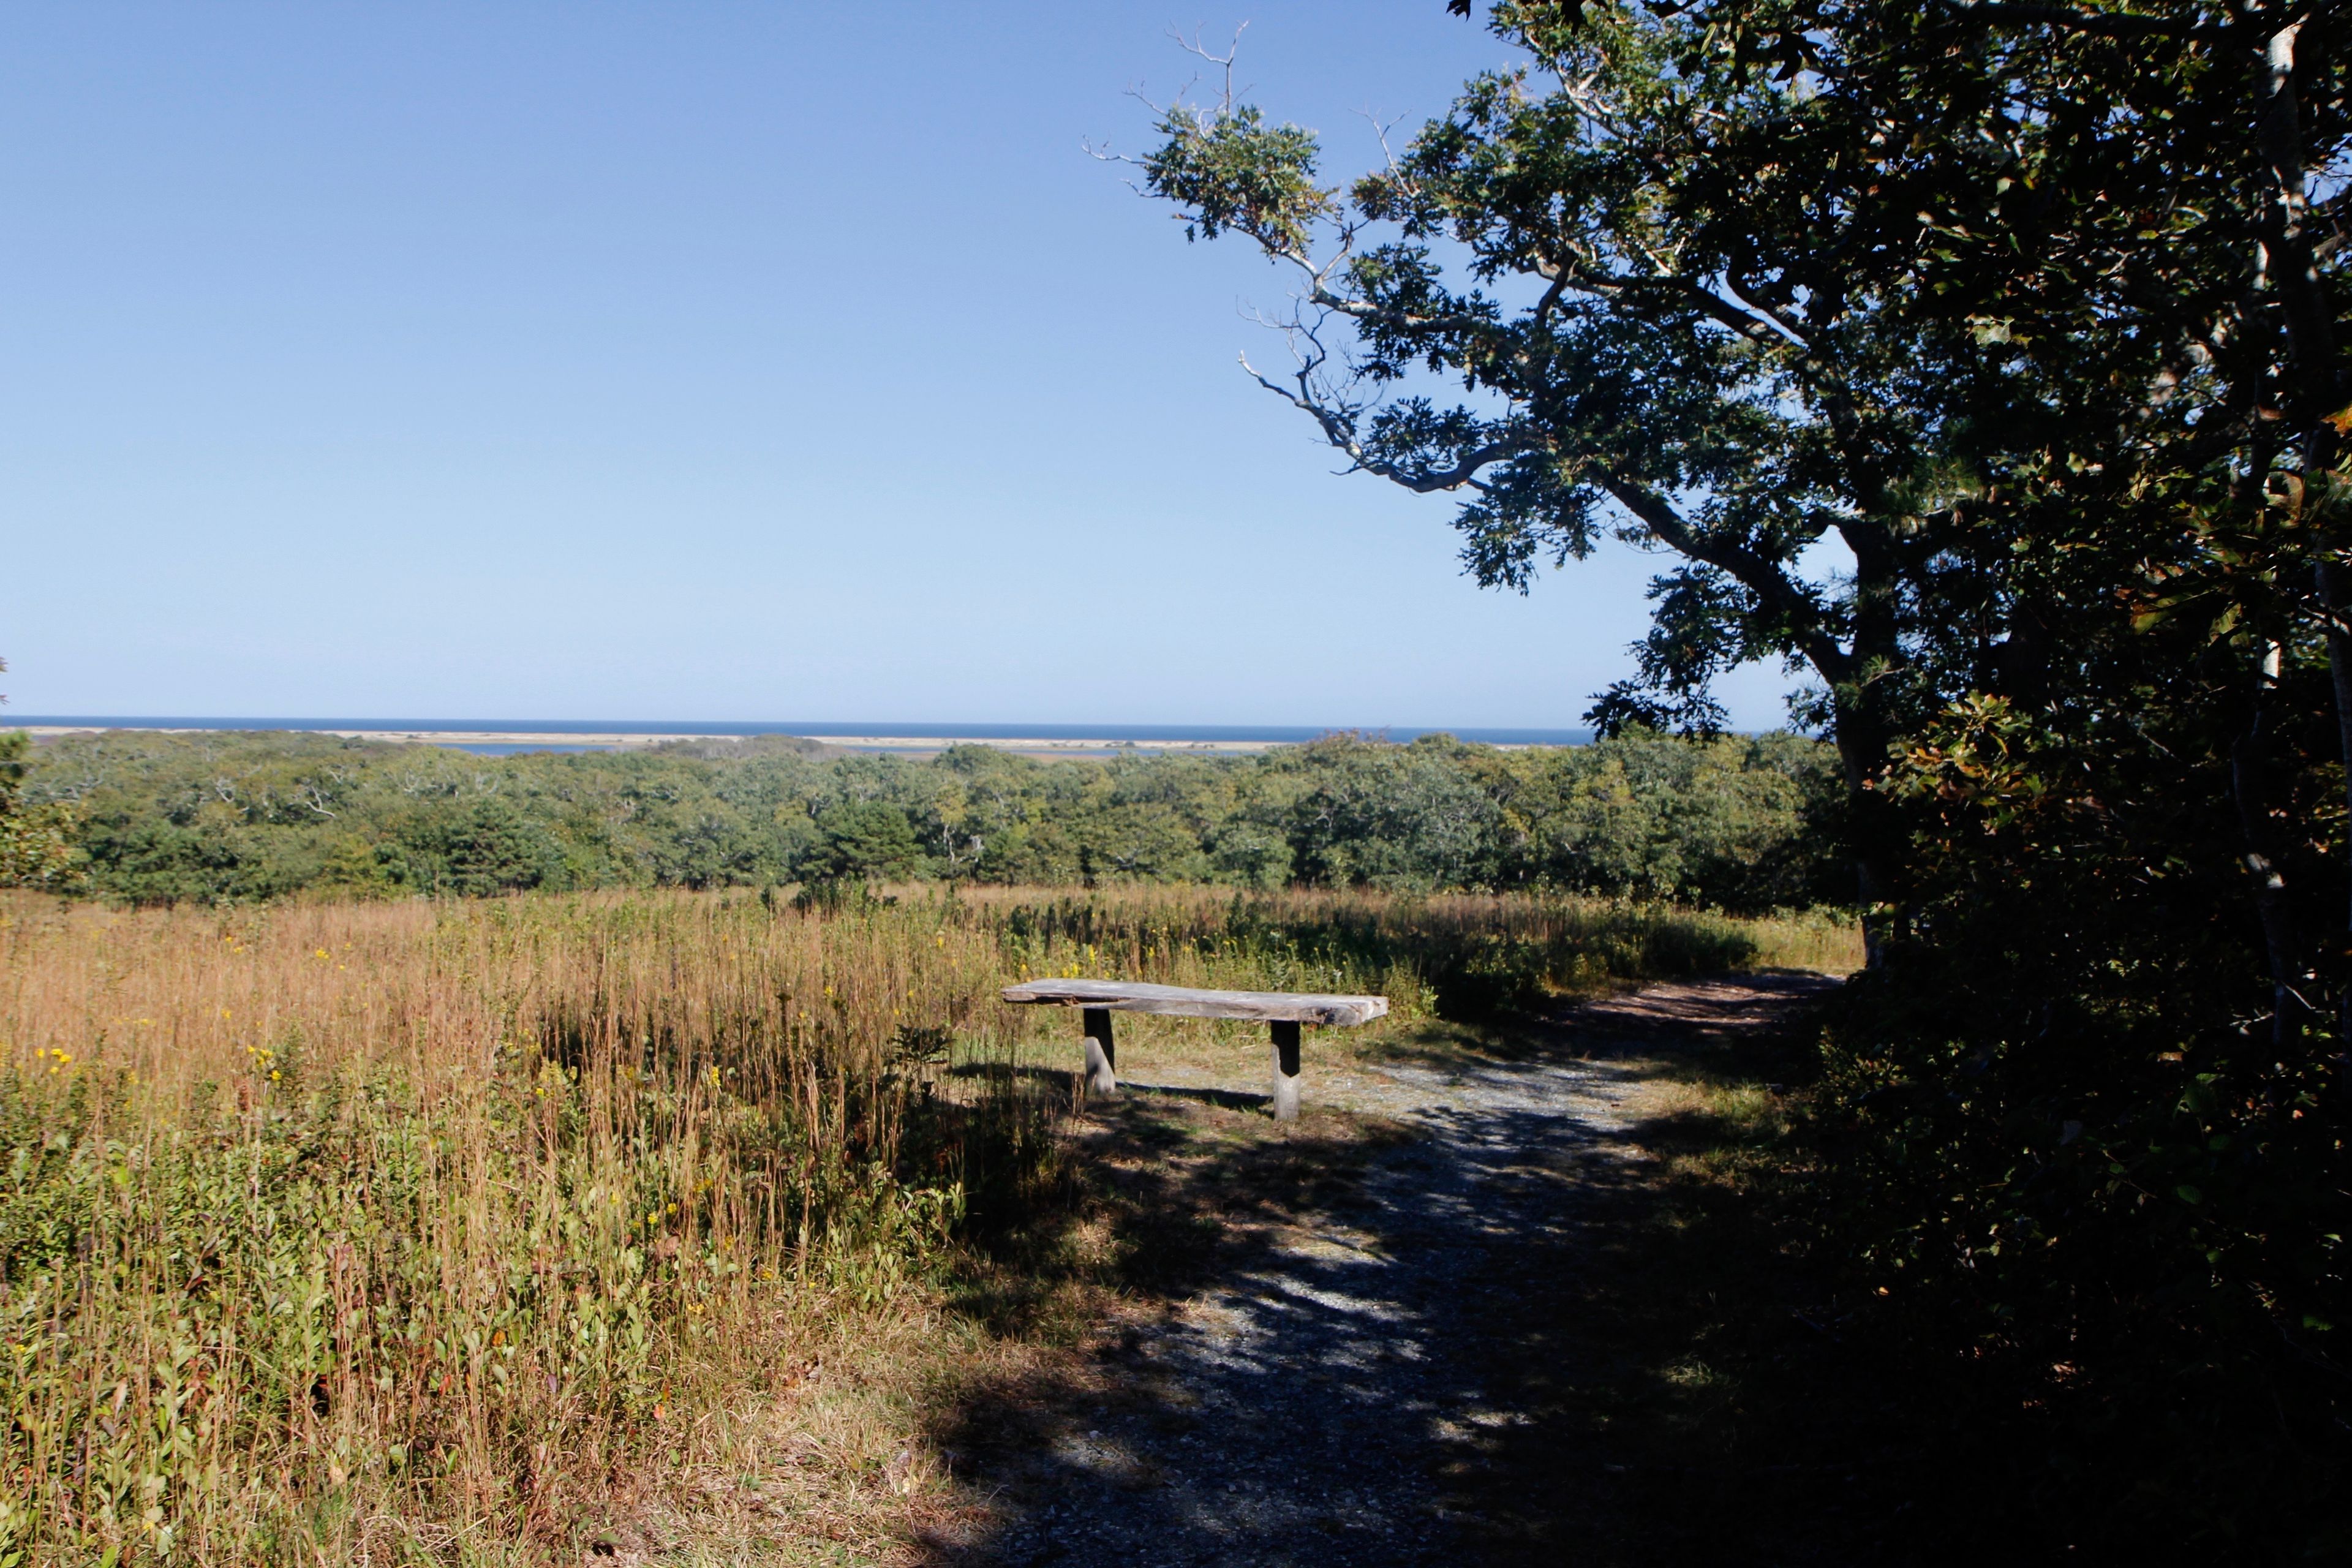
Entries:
{"x":1330,"y":1396}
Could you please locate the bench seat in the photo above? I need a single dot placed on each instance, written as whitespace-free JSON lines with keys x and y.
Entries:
{"x":1187,"y":1002}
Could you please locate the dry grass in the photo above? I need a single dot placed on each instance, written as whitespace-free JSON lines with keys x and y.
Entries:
{"x":337,"y":1220}
{"x":499,"y":1233}
{"x":1465,"y":955}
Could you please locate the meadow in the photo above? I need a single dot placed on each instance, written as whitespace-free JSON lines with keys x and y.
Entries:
{"x":467,"y":1231}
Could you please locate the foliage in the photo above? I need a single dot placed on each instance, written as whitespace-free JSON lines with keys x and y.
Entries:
{"x":2040,"y":311}
{"x":1684,"y":303}
{"x":866,"y":839}
{"x":1971,"y":291}
{"x":2068,"y":1131}
{"x":35,"y":850}
{"x":1740,"y":822}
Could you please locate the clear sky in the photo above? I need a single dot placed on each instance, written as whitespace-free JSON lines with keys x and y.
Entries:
{"x":702,"y":361}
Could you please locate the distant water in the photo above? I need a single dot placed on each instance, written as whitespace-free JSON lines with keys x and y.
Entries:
{"x":554,"y":729}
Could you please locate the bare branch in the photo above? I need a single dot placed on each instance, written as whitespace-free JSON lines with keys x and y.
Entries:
{"x":1223,"y":62}
{"x":1380,"y":133}
{"x":1340,"y":419}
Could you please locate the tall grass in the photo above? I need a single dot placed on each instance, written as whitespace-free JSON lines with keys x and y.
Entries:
{"x":345,"y":1211}
{"x":1465,"y":954}
{"x":422,"y":1230}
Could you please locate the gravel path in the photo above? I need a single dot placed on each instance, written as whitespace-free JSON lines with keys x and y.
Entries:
{"x":1326,"y":1401}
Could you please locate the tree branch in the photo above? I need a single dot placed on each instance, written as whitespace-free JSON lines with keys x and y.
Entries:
{"x":1780,"y":594}
{"x":1339,"y":424}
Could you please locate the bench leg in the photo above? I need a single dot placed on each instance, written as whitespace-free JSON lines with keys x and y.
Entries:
{"x":1285,"y":1071}
{"x":1102,"y":1057}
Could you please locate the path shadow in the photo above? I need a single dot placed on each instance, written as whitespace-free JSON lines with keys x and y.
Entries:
{"x":1688,"y":1016}
{"x":1230,"y":1098}
{"x":1306,"y":1401}
{"x":1064,"y":1081}
{"x":1338,"y":1346}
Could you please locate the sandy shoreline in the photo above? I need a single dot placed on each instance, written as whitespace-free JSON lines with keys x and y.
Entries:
{"x":607,"y":740}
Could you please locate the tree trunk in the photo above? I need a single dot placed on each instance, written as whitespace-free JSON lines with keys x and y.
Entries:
{"x":1863,"y":735}
{"x":2259,"y":852}
{"x":2339,"y":669}
{"x":1862,"y":757}
{"x":2317,"y":376}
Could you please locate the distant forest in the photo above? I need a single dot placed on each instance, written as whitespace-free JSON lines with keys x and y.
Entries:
{"x":1738,"y":822}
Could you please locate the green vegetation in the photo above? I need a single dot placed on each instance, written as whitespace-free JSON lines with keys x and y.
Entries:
{"x":2041,"y":315}
{"x":1736,"y":823}
{"x":35,"y":850}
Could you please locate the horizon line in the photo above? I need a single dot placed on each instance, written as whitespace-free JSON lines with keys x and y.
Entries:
{"x":814,"y":729}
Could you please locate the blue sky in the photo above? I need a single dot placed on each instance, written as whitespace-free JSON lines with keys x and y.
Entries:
{"x":716,"y":362}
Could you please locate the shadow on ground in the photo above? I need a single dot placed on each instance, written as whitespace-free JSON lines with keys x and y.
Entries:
{"x":1475,"y":1330}
{"x":1064,"y":1084}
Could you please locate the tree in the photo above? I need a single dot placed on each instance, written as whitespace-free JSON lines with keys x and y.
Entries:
{"x":866,"y":839}
{"x":2039,"y":311}
{"x":1734,"y":279}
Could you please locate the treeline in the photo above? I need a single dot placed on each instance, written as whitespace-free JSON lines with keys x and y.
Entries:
{"x":1740,"y":823}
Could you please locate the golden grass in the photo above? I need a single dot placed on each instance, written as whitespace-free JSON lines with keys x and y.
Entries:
{"x":494,"y":1232}
{"x":337,"y":1214}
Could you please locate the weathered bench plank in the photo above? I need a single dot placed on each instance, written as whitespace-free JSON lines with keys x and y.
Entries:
{"x":1281,"y":1011}
{"x":1185,"y":1001}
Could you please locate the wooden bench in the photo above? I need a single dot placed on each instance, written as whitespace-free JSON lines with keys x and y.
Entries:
{"x":1282,"y":1011}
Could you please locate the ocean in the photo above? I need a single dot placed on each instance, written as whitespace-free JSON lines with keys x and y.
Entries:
{"x":508,"y":736}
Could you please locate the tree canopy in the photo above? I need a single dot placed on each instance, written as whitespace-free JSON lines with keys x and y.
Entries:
{"x":1987,"y":360}
{"x":1961,"y":288}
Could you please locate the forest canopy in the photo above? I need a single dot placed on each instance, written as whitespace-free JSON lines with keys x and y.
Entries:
{"x":1738,"y":822}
